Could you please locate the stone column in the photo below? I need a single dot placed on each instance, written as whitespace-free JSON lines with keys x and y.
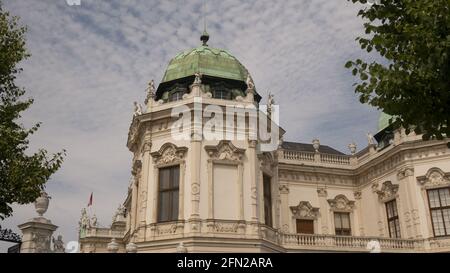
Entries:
{"x":253,"y":179}
{"x":359,"y":212}
{"x":284,"y":196}
{"x":195,"y":158}
{"x":134,"y":196}
{"x":322,"y":192}
{"x":410,"y":183}
{"x":37,"y":233}
{"x":144,"y":183}
{"x":378,"y":210}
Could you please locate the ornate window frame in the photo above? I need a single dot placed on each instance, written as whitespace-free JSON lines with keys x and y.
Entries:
{"x":225,"y":153}
{"x":435,"y":178}
{"x":305,"y":211}
{"x":167,"y":156}
{"x":388,"y":192}
{"x":340,"y":203}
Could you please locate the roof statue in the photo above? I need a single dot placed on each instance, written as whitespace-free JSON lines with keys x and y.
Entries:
{"x":370,"y":138}
{"x":58,"y":244}
{"x":270,"y":104}
{"x":198,"y":78}
{"x":137,"y":109}
{"x":151,"y":91}
{"x":249,"y":82}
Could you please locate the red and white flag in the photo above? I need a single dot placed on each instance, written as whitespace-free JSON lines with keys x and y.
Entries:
{"x":90,"y":199}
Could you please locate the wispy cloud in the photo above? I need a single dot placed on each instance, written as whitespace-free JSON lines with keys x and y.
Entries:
{"x":90,"y":62}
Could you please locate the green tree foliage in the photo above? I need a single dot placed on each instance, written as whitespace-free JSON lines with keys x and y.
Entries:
{"x":22,"y":176}
{"x":413,"y":84}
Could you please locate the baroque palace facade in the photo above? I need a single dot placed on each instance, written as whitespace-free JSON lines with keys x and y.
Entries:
{"x":200,"y":195}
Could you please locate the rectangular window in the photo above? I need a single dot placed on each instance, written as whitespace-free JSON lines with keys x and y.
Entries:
{"x":168,"y":194}
{"x":439,"y":201}
{"x":267,"y":200}
{"x":392,"y":217}
{"x":305,"y":226}
{"x":342,"y":223}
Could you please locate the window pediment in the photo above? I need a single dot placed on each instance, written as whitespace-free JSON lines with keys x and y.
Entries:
{"x":434,"y":178}
{"x":388,"y":191}
{"x":225,"y":151}
{"x":169,"y":153}
{"x":341,"y":203}
{"x":304,"y":210}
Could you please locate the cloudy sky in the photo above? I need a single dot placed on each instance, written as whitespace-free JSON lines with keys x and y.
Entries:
{"x":90,"y":62}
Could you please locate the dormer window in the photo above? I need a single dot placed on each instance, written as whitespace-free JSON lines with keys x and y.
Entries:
{"x":175,"y":96}
{"x":222,"y":93}
{"x":176,"y":92}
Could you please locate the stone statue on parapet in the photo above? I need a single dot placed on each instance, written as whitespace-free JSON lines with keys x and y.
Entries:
{"x":151,"y":91}
{"x":84,"y":220}
{"x":370,"y":139}
{"x":58,"y":244}
{"x":137,"y":109}
{"x":198,"y":78}
{"x":270,"y":104}
{"x":94,"y":222}
{"x":119,"y":214}
{"x":250,"y":83}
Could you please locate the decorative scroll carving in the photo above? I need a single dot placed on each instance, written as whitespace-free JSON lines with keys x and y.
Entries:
{"x":357,"y":195}
{"x":284,"y":189}
{"x":137,"y":167}
{"x":169,"y":153}
{"x":304,"y":210}
{"x":322,"y":192}
{"x":434,"y":178}
{"x":388,"y":191}
{"x":341,"y":203}
{"x":146,"y":147}
{"x":225,"y":150}
{"x":166,"y":229}
{"x":405,"y":172}
{"x":226,"y":227}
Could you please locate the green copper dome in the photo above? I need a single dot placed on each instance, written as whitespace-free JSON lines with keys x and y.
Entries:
{"x":207,"y":61}
{"x":383,"y":121}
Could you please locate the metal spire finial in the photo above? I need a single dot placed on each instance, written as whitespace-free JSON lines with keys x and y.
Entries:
{"x":205,"y":36}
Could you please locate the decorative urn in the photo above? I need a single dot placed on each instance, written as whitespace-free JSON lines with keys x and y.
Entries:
{"x":131,"y":248}
{"x":352,"y":148}
{"x":113,"y":246}
{"x":41,"y":203}
{"x":316,"y":145}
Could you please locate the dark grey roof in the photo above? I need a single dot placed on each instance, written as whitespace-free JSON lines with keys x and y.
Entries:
{"x":309,"y":148}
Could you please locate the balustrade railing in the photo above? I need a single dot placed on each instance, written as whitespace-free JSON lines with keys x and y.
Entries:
{"x":311,"y":241}
{"x":311,"y":157}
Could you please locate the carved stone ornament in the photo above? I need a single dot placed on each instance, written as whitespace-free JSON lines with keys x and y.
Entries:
{"x":225,"y":150}
{"x":341,"y":203}
{"x":304,"y":210}
{"x":434,"y":178}
{"x":284,"y":189}
{"x":405,"y":172}
{"x":357,"y":195}
{"x":388,"y":191}
{"x":133,"y":133}
{"x":169,"y":153}
{"x":267,"y":161}
{"x":137,"y":167}
{"x":322,"y":192}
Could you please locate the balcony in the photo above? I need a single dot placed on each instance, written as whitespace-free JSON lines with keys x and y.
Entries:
{"x":331,"y":243}
{"x":311,"y":158}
